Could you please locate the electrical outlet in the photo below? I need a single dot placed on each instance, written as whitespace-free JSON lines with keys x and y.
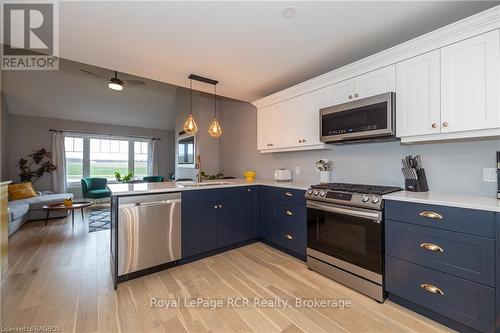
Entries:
{"x":489,"y":175}
{"x":297,"y":170}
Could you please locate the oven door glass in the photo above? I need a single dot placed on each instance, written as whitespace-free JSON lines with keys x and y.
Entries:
{"x":354,"y":239}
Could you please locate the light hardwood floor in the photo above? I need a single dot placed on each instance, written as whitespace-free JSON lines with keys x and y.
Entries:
{"x":60,"y":276}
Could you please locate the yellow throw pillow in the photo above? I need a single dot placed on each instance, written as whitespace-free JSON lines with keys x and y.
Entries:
{"x":21,"y":191}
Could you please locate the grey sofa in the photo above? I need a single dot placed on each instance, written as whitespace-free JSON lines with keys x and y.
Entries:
{"x":21,"y":211}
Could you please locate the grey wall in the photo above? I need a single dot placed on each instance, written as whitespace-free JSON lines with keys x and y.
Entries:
{"x":69,"y":93}
{"x":26,"y":133}
{"x":207,"y":146}
{"x":4,"y":147}
{"x":455,"y":167}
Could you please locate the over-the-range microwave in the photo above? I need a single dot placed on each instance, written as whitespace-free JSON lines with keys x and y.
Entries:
{"x":367,"y":119}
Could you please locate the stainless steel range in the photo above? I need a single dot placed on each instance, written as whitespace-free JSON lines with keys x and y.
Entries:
{"x":345,"y":234}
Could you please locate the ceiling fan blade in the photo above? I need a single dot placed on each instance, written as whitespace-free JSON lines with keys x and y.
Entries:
{"x":93,"y":74}
{"x":135,"y":82}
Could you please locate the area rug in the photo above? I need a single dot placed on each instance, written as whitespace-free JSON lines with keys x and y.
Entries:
{"x":99,"y":218}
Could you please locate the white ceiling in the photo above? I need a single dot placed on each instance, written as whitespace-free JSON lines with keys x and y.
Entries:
{"x":70,"y":94}
{"x":248,"y":46}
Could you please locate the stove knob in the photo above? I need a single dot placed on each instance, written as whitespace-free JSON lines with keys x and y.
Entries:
{"x":310,"y":191}
{"x":323,"y":194}
{"x":375,"y":199}
{"x":316,"y":193}
{"x":365,"y":198}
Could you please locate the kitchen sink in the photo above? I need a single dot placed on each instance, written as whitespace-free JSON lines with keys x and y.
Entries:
{"x":203,"y":184}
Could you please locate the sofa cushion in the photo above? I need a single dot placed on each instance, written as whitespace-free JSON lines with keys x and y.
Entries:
{"x":17,"y":210}
{"x":44,"y":199}
{"x":21,"y":191}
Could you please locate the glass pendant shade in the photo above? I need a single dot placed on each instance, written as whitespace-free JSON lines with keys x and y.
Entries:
{"x":215,"y":130}
{"x":190,"y":126}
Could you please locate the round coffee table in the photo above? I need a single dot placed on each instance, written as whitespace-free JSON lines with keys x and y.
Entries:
{"x":60,"y":206}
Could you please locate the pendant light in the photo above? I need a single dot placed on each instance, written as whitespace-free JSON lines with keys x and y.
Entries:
{"x":190,"y":126}
{"x":215,"y":130}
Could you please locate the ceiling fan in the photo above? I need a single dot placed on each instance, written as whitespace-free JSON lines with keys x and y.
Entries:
{"x":115,"y":83}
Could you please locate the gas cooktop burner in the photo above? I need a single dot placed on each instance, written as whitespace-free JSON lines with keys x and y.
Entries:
{"x":364,"y":196}
{"x":357,"y":188}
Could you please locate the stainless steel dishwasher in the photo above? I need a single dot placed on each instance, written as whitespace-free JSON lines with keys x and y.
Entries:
{"x":149,"y":231}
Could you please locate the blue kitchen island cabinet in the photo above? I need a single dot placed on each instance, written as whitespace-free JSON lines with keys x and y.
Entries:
{"x":440,"y":262}
{"x":214,"y":219}
{"x":199,"y":228}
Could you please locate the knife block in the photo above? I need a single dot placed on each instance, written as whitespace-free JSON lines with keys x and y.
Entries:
{"x":419,"y":184}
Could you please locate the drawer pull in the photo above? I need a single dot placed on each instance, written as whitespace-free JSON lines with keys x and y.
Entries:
{"x":431,"y":215}
{"x":288,"y":194}
{"x":289,"y":213}
{"x":431,"y":247}
{"x":287,"y":236}
{"x":432,"y":289}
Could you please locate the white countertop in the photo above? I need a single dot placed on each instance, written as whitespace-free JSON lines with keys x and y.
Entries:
{"x":447,"y":199}
{"x":144,"y":188}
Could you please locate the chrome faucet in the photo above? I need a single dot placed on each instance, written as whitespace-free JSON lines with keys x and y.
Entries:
{"x":198,"y":167}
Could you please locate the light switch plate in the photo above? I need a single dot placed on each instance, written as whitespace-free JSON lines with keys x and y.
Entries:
{"x":489,"y":175}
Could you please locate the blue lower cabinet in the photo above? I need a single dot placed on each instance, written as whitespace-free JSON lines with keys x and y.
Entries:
{"x":267,"y":230}
{"x":199,"y":228}
{"x":466,"y":302}
{"x":463,"y":255}
{"x":291,"y":238}
{"x":252,"y":212}
{"x":232,"y":223}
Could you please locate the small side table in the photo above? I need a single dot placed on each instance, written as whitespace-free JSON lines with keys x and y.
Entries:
{"x":60,"y":206}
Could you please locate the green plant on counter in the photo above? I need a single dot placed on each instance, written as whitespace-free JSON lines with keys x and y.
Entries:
{"x":124,"y":178}
{"x":204,"y":176}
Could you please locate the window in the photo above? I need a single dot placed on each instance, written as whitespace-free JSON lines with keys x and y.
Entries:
{"x":186,"y":151}
{"x":74,"y":159}
{"x":108,"y":157}
{"x":89,"y":156}
{"x":141,"y":158}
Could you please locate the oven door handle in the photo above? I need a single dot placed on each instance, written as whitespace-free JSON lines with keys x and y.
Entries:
{"x":376,"y":216}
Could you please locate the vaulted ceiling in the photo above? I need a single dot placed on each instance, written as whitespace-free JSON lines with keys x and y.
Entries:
{"x":248,"y":46}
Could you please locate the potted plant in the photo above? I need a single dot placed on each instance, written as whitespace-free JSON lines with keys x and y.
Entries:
{"x":35,"y":166}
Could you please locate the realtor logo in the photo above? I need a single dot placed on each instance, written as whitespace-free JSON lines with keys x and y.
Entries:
{"x":30,"y":36}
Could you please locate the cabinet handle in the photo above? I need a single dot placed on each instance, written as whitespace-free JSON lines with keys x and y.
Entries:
{"x":432,"y":289}
{"x":431,"y":215}
{"x":220,"y":206}
{"x":287,"y":236}
{"x":303,"y":140}
{"x":288,"y":194}
{"x":215,"y":207}
{"x":289,"y":213}
{"x":350,"y":96}
{"x":248,"y":190}
{"x":356,"y":95}
{"x":300,"y":141}
{"x":445,"y":124}
{"x":434,"y":125}
{"x":431,"y":247}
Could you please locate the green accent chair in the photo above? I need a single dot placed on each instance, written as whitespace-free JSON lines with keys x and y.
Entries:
{"x":153,"y":179}
{"x":95,"y":188}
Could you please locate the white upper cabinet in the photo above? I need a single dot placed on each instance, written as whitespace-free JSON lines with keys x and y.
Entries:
{"x":447,"y":86}
{"x":374,"y":83}
{"x":271,"y":127}
{"x":418,"y":102}
{"x":293,"y":116}
{"x":338,"y":93}
{"x":470,"y":84}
